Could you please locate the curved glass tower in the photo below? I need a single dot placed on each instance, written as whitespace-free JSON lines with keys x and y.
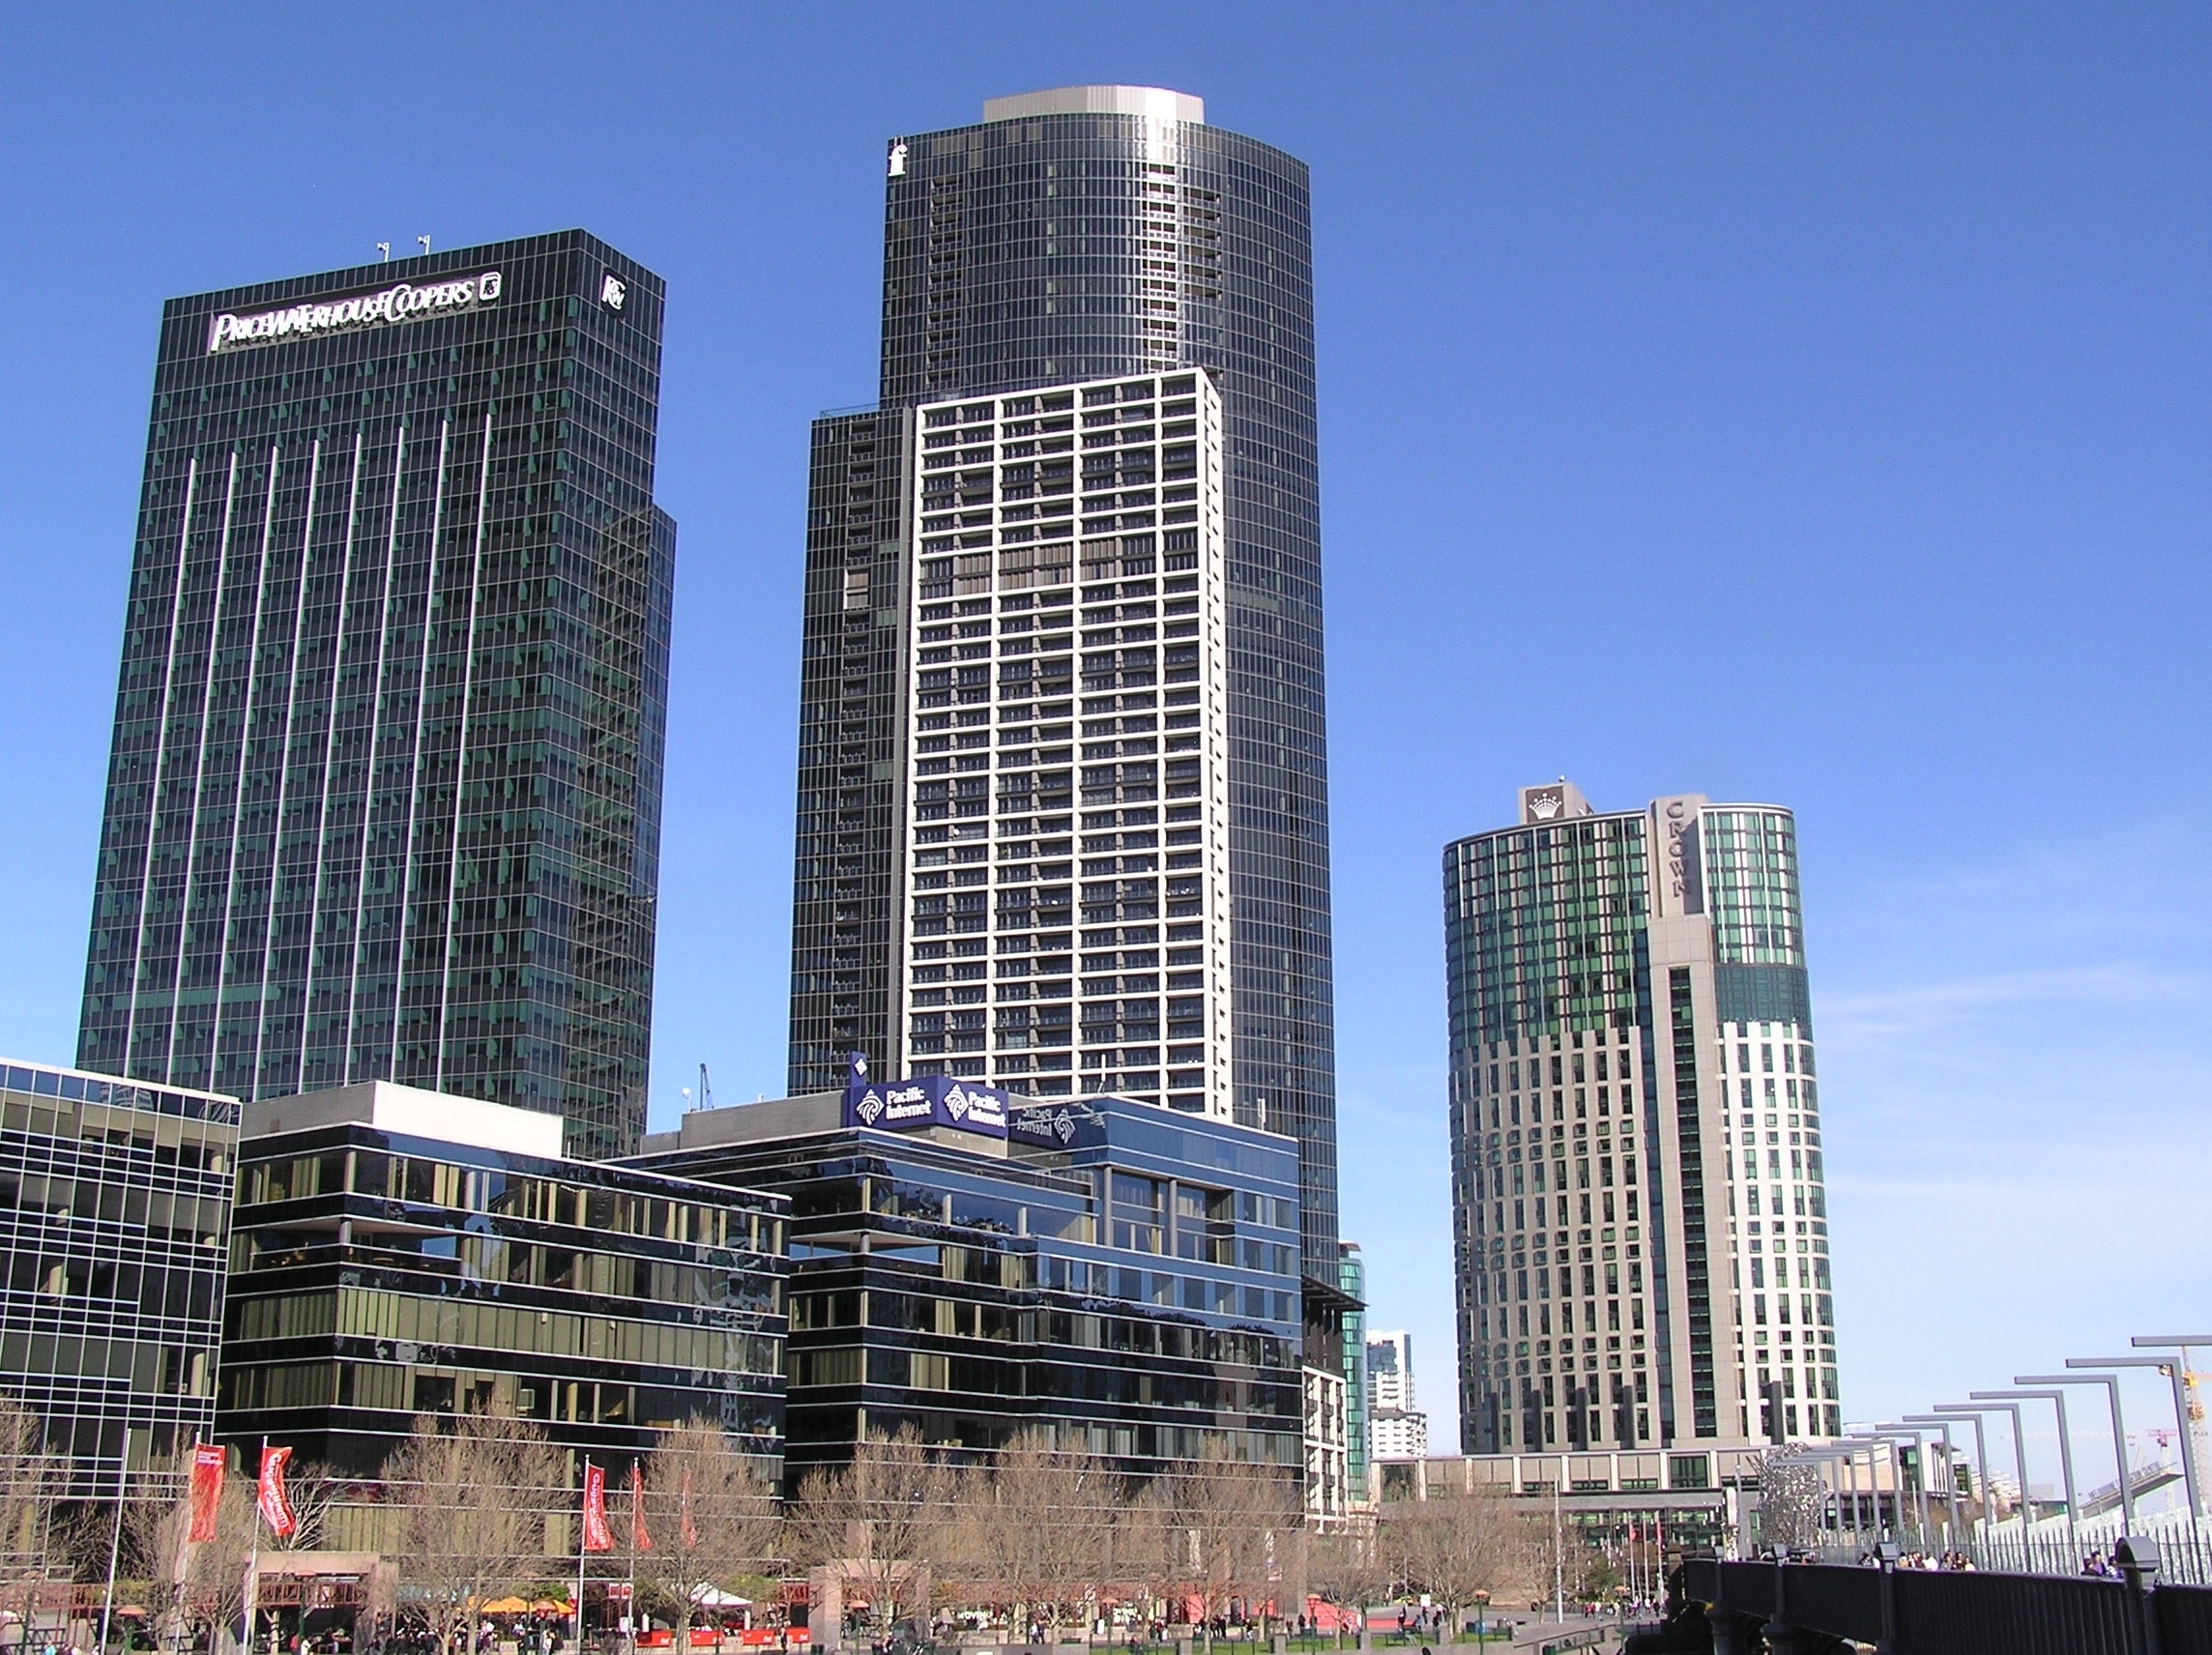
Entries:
{"x":1084,"y":235}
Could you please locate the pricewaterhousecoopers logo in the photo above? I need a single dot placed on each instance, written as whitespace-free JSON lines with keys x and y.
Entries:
{"x":400,"y":303}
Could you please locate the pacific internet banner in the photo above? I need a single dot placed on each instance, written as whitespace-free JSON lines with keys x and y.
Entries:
{"x":928,"y":1101}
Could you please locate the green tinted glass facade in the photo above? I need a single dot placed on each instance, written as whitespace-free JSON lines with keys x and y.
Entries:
{"x":385,"y":792}
{"x":1639,"y":1191}
{"x":377,"y":1276}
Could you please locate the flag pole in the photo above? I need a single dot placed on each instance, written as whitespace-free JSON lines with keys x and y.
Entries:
{"x":253,"y":1565}
{"x":114,"y":1544}
{"x":583,"y":1523}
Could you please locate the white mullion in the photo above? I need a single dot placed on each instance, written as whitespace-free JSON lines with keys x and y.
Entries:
{"x":284,"y":769}
{"x":461,"y":748}
{"x":199,"y":767}
{"x":244,"y":744}
{"x":161,"y":756}
{"x":375,"y":726}
{"x":330,"y":740}
{"x":415,"y":752}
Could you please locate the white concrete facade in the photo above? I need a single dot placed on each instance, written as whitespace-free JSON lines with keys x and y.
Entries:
{"x":1063,"y":844}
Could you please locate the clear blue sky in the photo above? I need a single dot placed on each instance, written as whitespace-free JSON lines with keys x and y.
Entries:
{"x":1792,"y":404}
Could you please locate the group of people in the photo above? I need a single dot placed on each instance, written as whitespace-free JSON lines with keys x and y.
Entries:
{"x":2100,"y":1567}
{"x":1956,"y":1561}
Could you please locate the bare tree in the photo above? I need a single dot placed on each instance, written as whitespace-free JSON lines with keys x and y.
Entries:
{"x":202,"y":1583}
{"x":1038,"y":1528}
{"x":471,"y":1493}
{"x":29,"y":1477}
{"x":710,"y":1515}
{"x":879,"y":1521}
{"x":1461,"y":1547}
{"x":1352,"y":1569}
{"x":1223,"y":1527}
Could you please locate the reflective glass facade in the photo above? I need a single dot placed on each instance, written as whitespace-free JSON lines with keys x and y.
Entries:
{"x":385,"y":793}
{"x":1352,"y":1282}
{"x":1049,"y":248}
{"x":1639,"y":1199}
{"x":114,"y":1221}
{"x":378,"y":1275}
{"x":1133,"y":1289}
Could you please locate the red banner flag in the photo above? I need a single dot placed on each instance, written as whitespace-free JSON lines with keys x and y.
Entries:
{"x":276,"y":1504}
{"x":598,"y":1537}
{"x":209,"y":1463}
{"x":639,"y":1540}
{"x":690,"y":1530}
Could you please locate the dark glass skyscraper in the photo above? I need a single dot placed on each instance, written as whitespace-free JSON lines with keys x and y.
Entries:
{"x":1082,"y":235}
{"x":384,"y":801}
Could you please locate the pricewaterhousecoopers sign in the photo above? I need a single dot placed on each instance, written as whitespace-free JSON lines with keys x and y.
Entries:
{"x":928,"y":1101}
{"x":403,"y":302}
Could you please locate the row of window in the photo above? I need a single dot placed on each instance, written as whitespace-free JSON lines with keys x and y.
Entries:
{"x":404,"y":1319}
{"x":423,"y":1181}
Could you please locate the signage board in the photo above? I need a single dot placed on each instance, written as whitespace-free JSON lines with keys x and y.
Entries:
{"x":1047,"y":1125}
{"x":401,"y":302}
{"x":928,"y":1101}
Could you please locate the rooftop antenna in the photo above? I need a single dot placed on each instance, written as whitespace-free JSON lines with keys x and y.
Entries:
{"x":384,"y":253}
{"x":706,"y":1090}
{"x":426,"y":241}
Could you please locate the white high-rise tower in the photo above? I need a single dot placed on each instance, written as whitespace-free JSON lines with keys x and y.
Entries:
{"x":1063,"y":920}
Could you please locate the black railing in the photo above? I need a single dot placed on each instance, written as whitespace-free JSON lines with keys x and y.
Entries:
{"x":1911,"y":1612}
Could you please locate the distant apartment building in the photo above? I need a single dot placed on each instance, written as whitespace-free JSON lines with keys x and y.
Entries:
{"x":1398,"y":1434}
{"x":1639,"y":1194}
{"x":115,"y":1221}
{"x":1397,"y":1430}
{"x":1390,"y":1370}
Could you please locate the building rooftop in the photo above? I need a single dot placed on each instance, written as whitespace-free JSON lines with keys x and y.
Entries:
{"x":1156,"y":101}
{"x":413,"y":1113}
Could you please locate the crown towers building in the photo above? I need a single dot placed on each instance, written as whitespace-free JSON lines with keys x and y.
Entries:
{"x":1640,"y":1205}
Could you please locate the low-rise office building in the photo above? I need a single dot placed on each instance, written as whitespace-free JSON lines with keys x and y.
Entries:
{"x":400,"y":1252}
{"x":1666,"y":1503}
{"x":114,"y":1214}
{"x":1120,"y":1277}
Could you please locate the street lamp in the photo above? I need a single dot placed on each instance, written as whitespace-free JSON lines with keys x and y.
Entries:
{"x":2177,"y":1371}
{"x":2020,"y":1464}
{"x":1950,"y":1478}
{"x":1919,"y":1441}
{"x":1847,"y":1448}
{"x":2184,"y":1388}
{"x":2119,"y":1430}
{"x":2057,"y":1399}
{"x":1890,"y":1437}
{"x":1981,"y":1459}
